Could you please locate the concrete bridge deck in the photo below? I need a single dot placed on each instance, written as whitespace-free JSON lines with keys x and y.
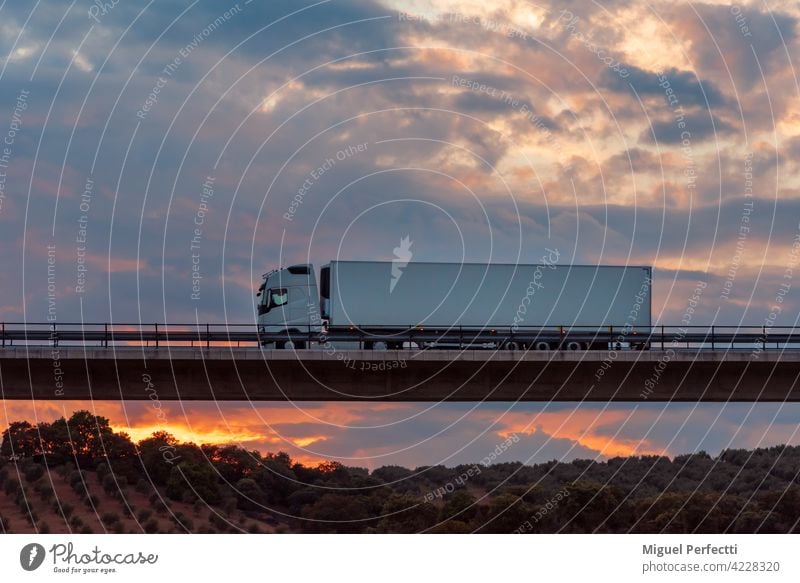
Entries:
{"x":234,"y":374}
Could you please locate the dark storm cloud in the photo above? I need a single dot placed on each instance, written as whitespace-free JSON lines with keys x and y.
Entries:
{"x":689,"y":89}
{"x":745,"y":40}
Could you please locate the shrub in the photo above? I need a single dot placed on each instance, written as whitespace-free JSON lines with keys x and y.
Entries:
{"x":11,"y":487}
{"x":199,"y":505}
{"x":76,"y":522}
{"x":254,"y":528}
{"x":87,"y":530}
{"x":92,"y":501}
{"x":76,"y":477}
{"x":33,"y":472}
{"x":229,"y":506}
{"x":218,"y":522}
{"x":110,"y":518}
{"x":151,"y":526}
{"x":44,"y":528}
{"x":142,"y":486}
{"x":101,"y":470}
{"x":3,"y":523}
{"x":144,"y":514}
{"x":109,"y":484}
{"x":66,"y":508}
{"x":46,"y":492}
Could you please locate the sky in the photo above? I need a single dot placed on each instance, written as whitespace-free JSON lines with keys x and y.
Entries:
{"x":157,"y":158}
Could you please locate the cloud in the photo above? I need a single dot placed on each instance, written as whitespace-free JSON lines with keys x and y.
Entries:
{"x":697,"y":128}
{"x":687,"y":87}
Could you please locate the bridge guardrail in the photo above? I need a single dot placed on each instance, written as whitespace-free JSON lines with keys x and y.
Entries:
{"x":156,"y":335}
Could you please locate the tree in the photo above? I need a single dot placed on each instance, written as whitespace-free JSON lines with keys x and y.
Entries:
{"x":87,"y":434}
{"x":407,"y":514}
{"x":249,"y":495}
{"x":340,"y":513}
{"x":19,"y":439}
{"x":506,"y":514}
{"x":152,"y":453}
{"x":460,"y":505}
{"x":232,"y":462}
{"x":200,"y":479}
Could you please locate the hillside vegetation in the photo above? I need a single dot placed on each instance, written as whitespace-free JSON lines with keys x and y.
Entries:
{"x":78,"y":475}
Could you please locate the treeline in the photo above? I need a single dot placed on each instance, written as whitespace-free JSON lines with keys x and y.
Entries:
{"x":738,"y":491}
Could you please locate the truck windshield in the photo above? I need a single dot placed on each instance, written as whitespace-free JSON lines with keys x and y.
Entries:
{"x":278,"y":297}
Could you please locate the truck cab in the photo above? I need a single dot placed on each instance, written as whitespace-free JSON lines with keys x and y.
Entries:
{"x":288,"y":306}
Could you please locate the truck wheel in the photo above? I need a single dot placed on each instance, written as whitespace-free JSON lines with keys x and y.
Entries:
{"x":511,"y":346}
{"x":572,"y":345}
{"x":542,"y":346}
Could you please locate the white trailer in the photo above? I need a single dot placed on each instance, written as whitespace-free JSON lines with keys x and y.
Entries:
{"x":385,"y":300}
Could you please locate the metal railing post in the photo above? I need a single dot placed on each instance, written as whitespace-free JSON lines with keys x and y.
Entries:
{"x":208,"y":337}
{"x":712,"y":337}
{"x":156,"y":327}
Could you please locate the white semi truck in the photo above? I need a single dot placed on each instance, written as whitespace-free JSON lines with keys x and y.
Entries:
{"x":389,"y":304}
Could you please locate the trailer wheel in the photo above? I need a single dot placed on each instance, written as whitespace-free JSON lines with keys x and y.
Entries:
{"x":511,"y":346}
{"x":572,"y":345}
{"x":542,"y":346}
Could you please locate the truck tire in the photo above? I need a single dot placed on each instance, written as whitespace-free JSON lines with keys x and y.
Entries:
{"x":541,"y":345}
{"x":573,"y":345}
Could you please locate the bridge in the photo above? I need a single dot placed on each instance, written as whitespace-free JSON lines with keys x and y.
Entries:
{"x":229,"y":363}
